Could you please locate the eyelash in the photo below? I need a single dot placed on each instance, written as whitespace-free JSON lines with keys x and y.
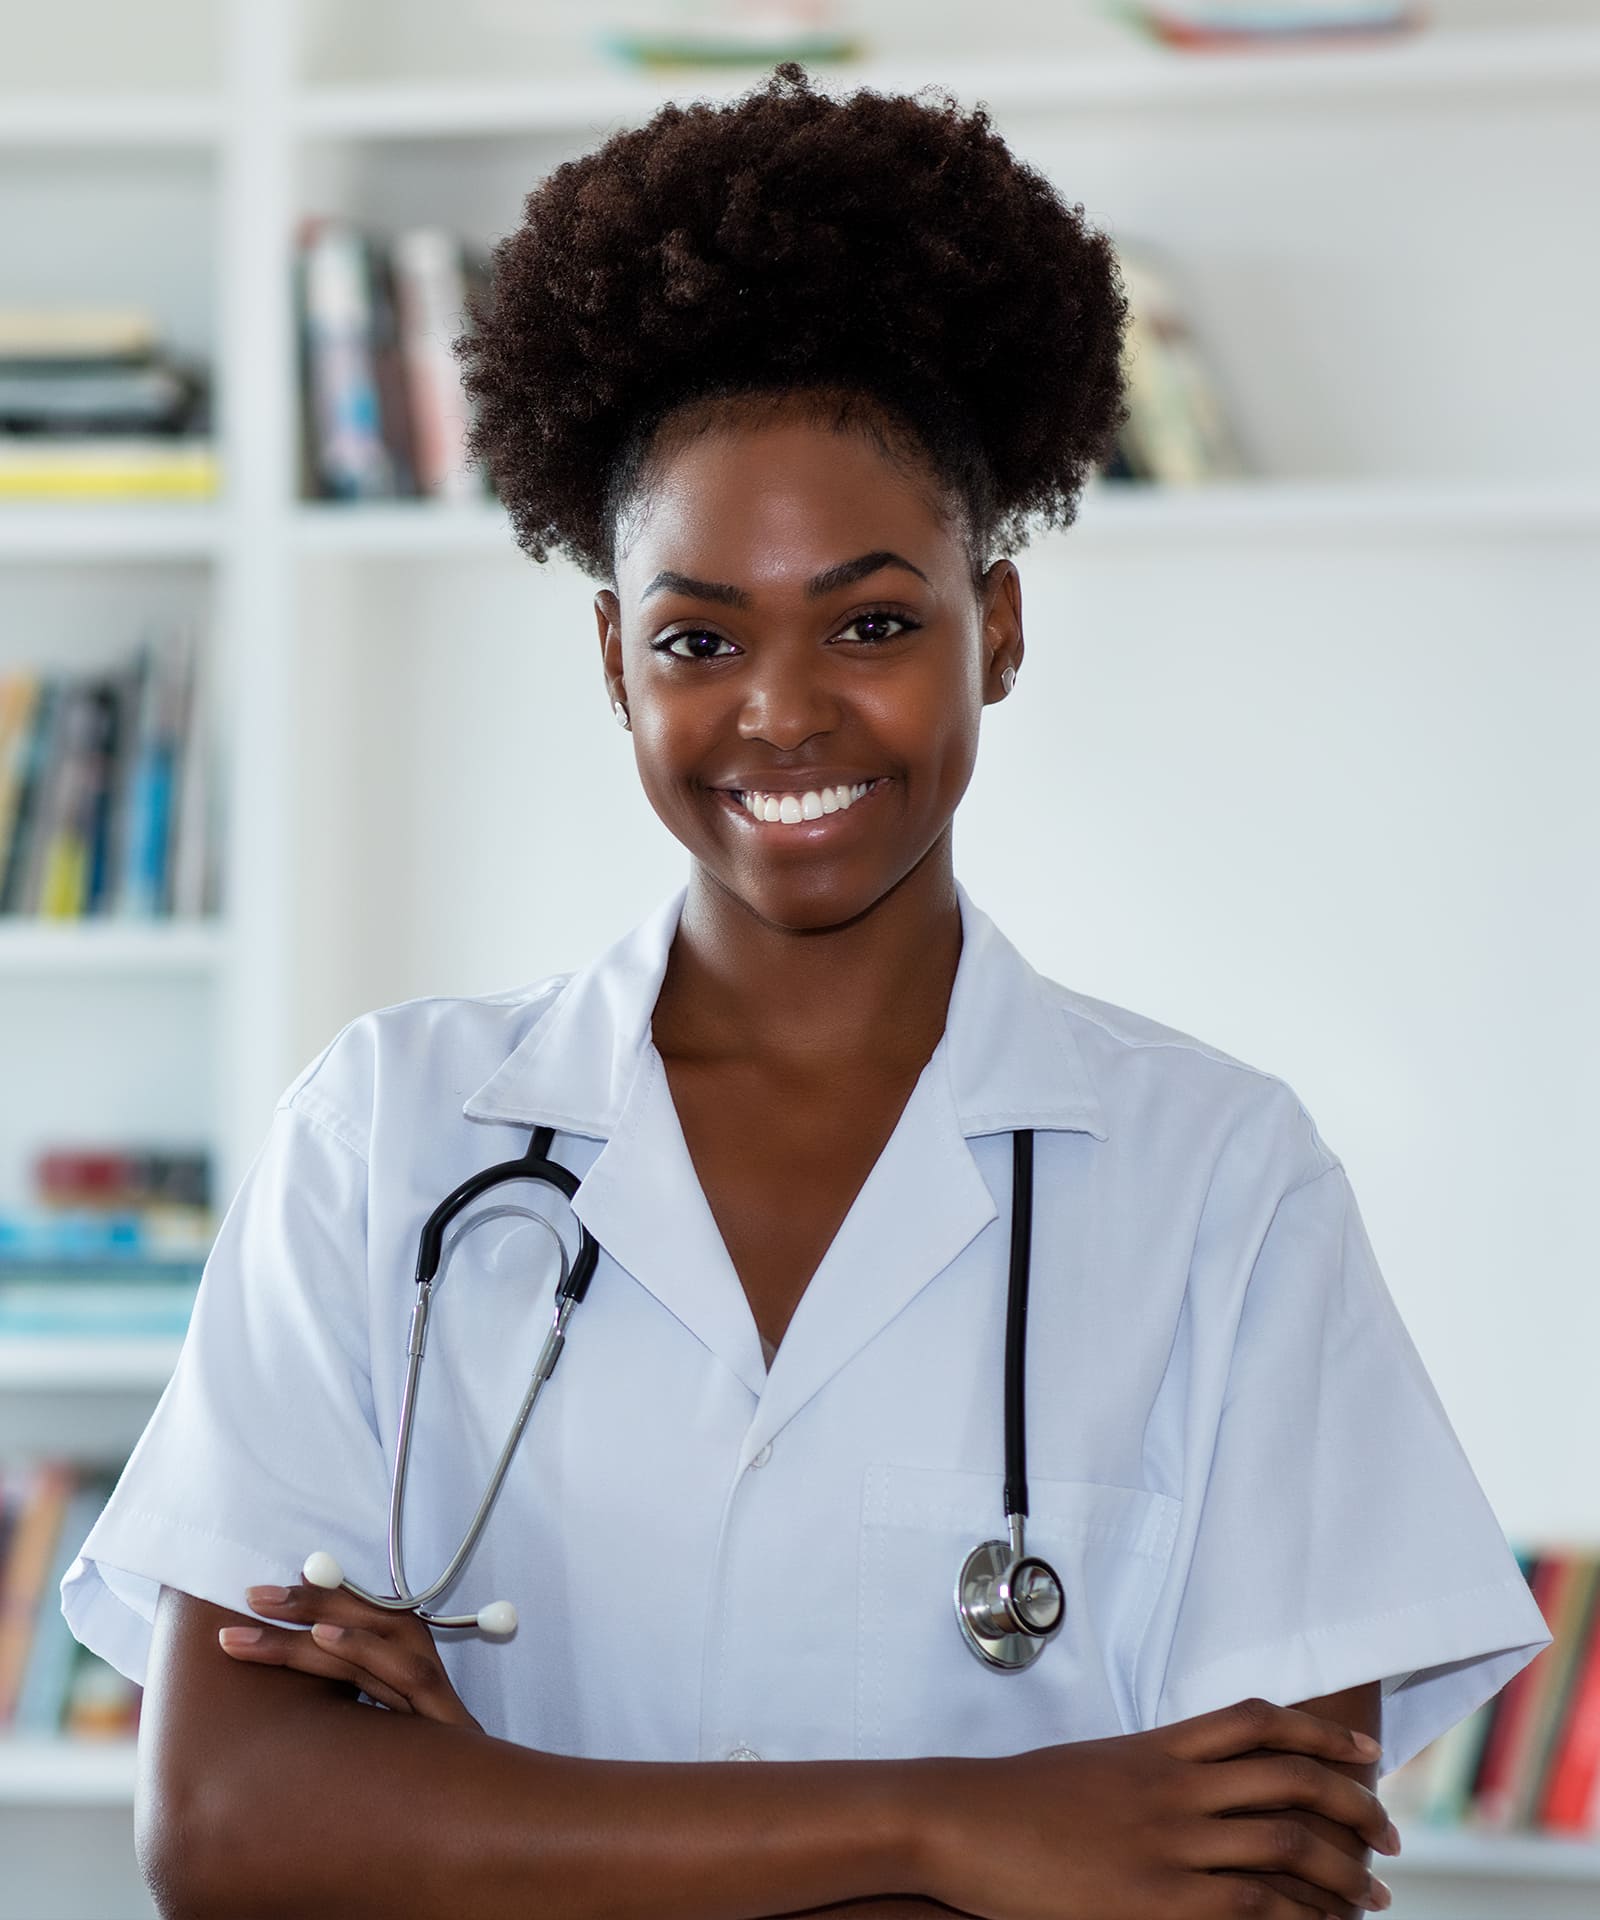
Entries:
{"x":664,"y":644}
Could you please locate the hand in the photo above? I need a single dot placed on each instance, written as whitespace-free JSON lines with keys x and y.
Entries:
{"x":389,"y":1655}
{"x":1161,"y":1822}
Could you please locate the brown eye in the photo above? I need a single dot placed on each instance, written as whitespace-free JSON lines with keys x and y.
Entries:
{"x":696,"y":645}
{"x":879,"y":617}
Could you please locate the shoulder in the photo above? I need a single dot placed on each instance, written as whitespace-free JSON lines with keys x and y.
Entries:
{"x":1157,"y":1082}
{"x":424,"y":1055}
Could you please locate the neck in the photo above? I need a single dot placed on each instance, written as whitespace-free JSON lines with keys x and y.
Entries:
{"x":874,"y":991}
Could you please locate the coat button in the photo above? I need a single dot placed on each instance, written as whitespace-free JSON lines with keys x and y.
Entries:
{"x":743,"y":1753}
{"x":760,"y":1459}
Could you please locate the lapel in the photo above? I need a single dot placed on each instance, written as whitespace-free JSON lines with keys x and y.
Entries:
{"x":921,"y":1204}
{"x":589,"y":1067}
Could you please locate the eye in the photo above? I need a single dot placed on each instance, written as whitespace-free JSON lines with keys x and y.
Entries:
{"x":697,"y":644}
{"x":877,"y":617}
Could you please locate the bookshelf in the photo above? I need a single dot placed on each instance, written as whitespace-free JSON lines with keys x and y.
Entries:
{"x":285,"y":109}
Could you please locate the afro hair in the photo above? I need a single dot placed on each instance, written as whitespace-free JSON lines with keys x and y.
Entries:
{"x":879,"y":247}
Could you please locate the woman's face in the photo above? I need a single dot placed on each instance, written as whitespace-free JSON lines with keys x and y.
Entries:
{"x":794,"y":616}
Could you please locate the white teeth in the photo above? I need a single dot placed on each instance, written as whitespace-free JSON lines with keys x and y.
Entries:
{"x":790,"y":808}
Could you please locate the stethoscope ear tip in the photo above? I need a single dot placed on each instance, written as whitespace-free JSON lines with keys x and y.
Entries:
{"x":499,"y":1617}
{"x":322,"y":1570}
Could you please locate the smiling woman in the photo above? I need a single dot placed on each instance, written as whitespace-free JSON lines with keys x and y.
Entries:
{"x":792,"y":378}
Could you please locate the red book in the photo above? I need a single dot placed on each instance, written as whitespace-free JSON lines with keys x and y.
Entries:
{"x":1570,"y":1787}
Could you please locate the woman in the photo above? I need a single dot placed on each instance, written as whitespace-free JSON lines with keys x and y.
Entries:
{"x":792,"y":377}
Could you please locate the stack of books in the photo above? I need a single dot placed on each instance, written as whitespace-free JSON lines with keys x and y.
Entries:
{"x":107,"y":789}
{"x":48,"y":1683}
{"x":112,"y":1244}
{"x":1529,"y":1759}
{"x":1178,"y":432}
{"x":1203,"y":24}
{"x":383,"y":412}
{"x":92,"y":407}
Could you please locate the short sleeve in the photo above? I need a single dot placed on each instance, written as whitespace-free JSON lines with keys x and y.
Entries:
{"x":264,"y":1444}
{"x":1342,"y":1534}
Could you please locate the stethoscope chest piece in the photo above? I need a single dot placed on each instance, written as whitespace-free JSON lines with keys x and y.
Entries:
{"x":1007,"y":1605}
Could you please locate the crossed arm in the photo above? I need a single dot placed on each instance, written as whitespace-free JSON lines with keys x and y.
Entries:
{"x":264,"y":1792}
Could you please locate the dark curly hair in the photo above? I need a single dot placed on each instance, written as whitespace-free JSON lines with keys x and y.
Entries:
{"x":886,"y":263}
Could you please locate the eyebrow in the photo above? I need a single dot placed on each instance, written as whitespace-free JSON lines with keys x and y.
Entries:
{"x":830,"y":580}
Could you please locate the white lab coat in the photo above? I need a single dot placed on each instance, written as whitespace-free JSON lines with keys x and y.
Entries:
{"x":1238,"y":1464}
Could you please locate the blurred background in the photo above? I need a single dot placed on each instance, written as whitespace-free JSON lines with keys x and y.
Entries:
{"x":1302,"y":761}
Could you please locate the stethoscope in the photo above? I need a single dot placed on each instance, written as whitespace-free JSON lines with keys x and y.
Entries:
{"x":1008,"y":1601}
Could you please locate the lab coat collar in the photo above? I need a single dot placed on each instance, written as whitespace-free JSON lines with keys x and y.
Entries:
{"x":1011,"y":1058}
{"x":1007,"y":1059}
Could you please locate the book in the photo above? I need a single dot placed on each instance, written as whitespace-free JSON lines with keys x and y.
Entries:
{"x":19,"y":695}
{"x":47,"y":1675}
{"x":97,"y":467}
{"x":76,"y":335}
{"x":351,"y":460}
{"x":102,"y":1704}
{"x":46,"y":1487}
{"x":108,"y":801}
{"x":34,"y":780}
{"x":383,"y":412}
{"x":1196,"y":25}
{"x":1495,"y":1785}
{"x":1570,"y":1622}
{"x":1571,"y":1798}
{"x":111,"y":1306}
{"x":1177,"y":432}
{"x":430,"y":285}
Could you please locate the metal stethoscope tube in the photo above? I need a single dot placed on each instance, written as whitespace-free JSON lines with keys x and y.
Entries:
{"x":498,"y":1616}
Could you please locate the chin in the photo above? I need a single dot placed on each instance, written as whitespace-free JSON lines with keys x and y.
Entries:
{"x":802,"y":902}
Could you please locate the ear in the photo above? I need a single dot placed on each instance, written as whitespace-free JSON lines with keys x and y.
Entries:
{"x":1002,"y":629}
{"x":608,"y":620}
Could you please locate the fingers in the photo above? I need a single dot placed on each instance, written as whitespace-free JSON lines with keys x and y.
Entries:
{"x":1284,"y":1844}
{"x":304,"y":1653}
{"x":1296,"y":1780}
{"x":1227,"y":1732}
{"x":389,"y":1655}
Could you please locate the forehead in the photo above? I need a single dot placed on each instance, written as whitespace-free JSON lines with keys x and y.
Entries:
{"x":743,"y":503}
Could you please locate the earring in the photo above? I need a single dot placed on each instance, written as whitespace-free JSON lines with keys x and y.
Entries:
{"x":1008,"y":678}
{"x":621,"y":714}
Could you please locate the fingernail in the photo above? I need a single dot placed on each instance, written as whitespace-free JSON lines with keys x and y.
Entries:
{"x":1381,"y":1896}
{"x":327,"y":1632}
{"x":238,"y":1636}
{"x":1391,"y":1833}
{"x":266,"y":1596}
{"x":1365,"y":1743}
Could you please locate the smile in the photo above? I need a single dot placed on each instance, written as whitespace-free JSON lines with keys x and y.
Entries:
{"x":793,"y":809}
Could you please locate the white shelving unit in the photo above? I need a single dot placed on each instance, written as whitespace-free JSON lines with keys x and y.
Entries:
{"x":317,"y":612}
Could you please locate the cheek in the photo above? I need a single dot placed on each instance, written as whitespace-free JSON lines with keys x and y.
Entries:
{"x":933,"y":729}
{"x":673,"y":736}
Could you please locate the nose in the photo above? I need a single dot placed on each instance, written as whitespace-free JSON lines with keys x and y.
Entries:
{"x":787,"y":698}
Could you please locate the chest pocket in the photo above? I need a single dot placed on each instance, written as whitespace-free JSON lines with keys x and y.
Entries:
{"x":921,"y":1690}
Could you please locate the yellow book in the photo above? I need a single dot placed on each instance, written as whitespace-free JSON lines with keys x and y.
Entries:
{"x":38,"y":469}
{"x":65,"y":886}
